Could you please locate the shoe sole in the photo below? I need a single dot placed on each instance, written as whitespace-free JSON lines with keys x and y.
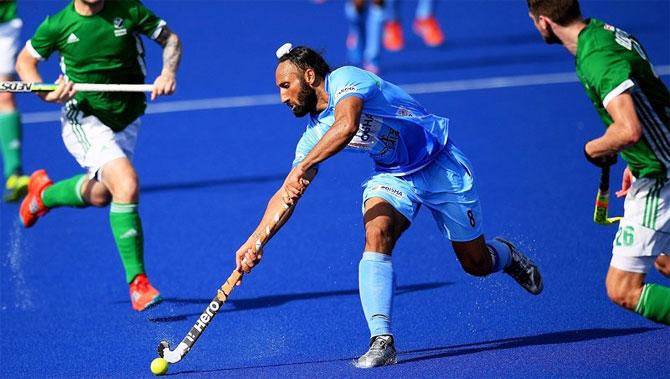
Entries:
{"x":155,"y":301}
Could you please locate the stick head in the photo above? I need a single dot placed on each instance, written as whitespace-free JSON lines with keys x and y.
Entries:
{"x":162,"y":346}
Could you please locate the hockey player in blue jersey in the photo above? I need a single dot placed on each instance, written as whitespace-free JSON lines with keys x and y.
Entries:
{"x":416,"y":164}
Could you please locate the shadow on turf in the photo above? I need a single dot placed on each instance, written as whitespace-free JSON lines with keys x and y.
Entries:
{"x":568,"y":336}
{"x":277,"y":300}
{"x":212,"y":183}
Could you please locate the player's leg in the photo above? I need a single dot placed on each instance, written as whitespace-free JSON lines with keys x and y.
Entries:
{"x":426,"y":25}
{"x":393,"y":35}
{"x":119,"y":176}
{"x":626,"y":287}
{"x":447,"y":188}
{"x":355,"y":12}
{"x":373,"y":35}
{"x":387,"y":210}
{"x":15,"y":183}
{"x":641,"y":242}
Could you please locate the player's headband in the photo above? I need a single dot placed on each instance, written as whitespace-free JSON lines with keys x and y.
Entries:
{"x":284,"y":49}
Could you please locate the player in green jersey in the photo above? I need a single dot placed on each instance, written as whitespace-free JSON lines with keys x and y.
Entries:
{"x":99,"y":42}
{"x":16,"y":183}
{"x":634,"y":104}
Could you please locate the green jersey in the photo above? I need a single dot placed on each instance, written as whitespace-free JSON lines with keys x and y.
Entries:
{"x":609,"y":61}
{"x":103,"y":48}
{"x":7,"y":10}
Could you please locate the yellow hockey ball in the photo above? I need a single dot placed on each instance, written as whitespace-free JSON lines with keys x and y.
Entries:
{"x":159,"y":366}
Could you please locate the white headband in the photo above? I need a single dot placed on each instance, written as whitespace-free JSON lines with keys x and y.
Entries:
{"x":284,"y":49}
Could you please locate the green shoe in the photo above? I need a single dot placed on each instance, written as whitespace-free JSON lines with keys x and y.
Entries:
{"x":16,"y":187}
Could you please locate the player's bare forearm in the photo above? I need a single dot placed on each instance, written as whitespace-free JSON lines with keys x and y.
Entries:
{"x":26,"y":67}
{"x":345,"y":127}
{"x":172,"y":50}
{"x":623,"y":132}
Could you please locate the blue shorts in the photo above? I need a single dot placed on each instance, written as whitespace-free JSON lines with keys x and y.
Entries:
{"x":446,"y":187}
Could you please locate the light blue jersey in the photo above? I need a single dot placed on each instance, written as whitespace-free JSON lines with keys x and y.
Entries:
{"x":397,"y":131}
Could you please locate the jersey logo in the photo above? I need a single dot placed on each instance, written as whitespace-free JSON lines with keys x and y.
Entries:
{"x":404,"y":112}
{"x":72,"y":38}
{"x":119,"y":30}
{"x":345,"y":90}
{"x":368,"y":129}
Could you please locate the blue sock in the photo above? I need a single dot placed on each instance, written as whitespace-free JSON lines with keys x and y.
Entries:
{"x":500,"y":254}
{"x":373,"y":34}
{"x":424,"y":9}
{"x":392,"y":7}
{"x":376,"y":284}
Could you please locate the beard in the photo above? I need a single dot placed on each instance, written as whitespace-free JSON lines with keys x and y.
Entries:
{"x":306,"y":100}
{"x":550,"y":38}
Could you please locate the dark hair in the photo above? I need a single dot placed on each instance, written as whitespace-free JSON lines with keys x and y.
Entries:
{"x":562,"y":12}
{"x":304,"y":58}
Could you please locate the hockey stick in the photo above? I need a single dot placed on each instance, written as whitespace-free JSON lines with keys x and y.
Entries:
{"x":81,"y":87}
{"x":602,"y":200}
{"x":176,"y":355}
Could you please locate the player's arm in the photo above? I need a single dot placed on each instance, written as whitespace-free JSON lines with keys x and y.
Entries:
{"x":347,"y":117}
{"x":166,"y":82}
{"x":26,"y":67}
{"x":246,"y":256}
{"x":626,"y":129}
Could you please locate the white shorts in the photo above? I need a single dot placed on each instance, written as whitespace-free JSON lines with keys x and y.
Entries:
{"x":92,"y":143}
{"x":10,"y":33}
{"x":644,"y":230}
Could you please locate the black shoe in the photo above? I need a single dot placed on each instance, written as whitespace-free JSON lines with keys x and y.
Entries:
{"x":523,"y":270}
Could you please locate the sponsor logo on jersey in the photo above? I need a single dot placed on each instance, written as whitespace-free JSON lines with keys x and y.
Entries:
{"x":119,"y":30}
{"x":72,"y":38}
{"x":345,"y":90}
{"x":367,"y":129}
{"x":404,"y":112}
{"x":392,"y":191}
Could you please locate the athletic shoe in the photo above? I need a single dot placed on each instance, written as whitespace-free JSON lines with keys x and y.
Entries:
{"x":523,"y":270}
{"x":393,"y":38}
{"x":142,"y":293}
{"x":16,"y":187}
{"x":32,"y":206}
{"x":429,"y":29}
{"x":381,"y":353}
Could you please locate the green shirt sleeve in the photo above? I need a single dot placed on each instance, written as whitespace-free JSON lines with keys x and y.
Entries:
{"x":607,"y":73}
{"x":44,"y":42}
{"x":147,"y":22}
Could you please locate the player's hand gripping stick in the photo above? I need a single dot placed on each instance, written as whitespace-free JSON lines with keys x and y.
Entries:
{"x":176,"y":355}
{"x":602,"y":200}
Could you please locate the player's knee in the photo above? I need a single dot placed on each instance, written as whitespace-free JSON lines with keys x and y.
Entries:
{"x":6,"y":101}
{"x":126,"y":189}
{"x":379,"y":235}
{"x":99,"y":199}
{"x":662,"y":265}
{"x":622,"y":295}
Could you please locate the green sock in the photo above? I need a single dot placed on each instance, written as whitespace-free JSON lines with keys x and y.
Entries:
{"x":65,"y":193}
{"x":10,"y":142}
{"x":654,"y":303}
{"x":127,"y":230}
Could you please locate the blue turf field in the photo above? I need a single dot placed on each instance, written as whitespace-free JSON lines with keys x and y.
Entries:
{"x":207,"y":174}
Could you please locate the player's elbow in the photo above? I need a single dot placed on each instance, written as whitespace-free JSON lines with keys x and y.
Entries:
{"x":633,"y":133}
{"x":24,"y":62}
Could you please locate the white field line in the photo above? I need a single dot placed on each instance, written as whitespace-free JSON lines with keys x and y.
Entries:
{"x":413,"y":89}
